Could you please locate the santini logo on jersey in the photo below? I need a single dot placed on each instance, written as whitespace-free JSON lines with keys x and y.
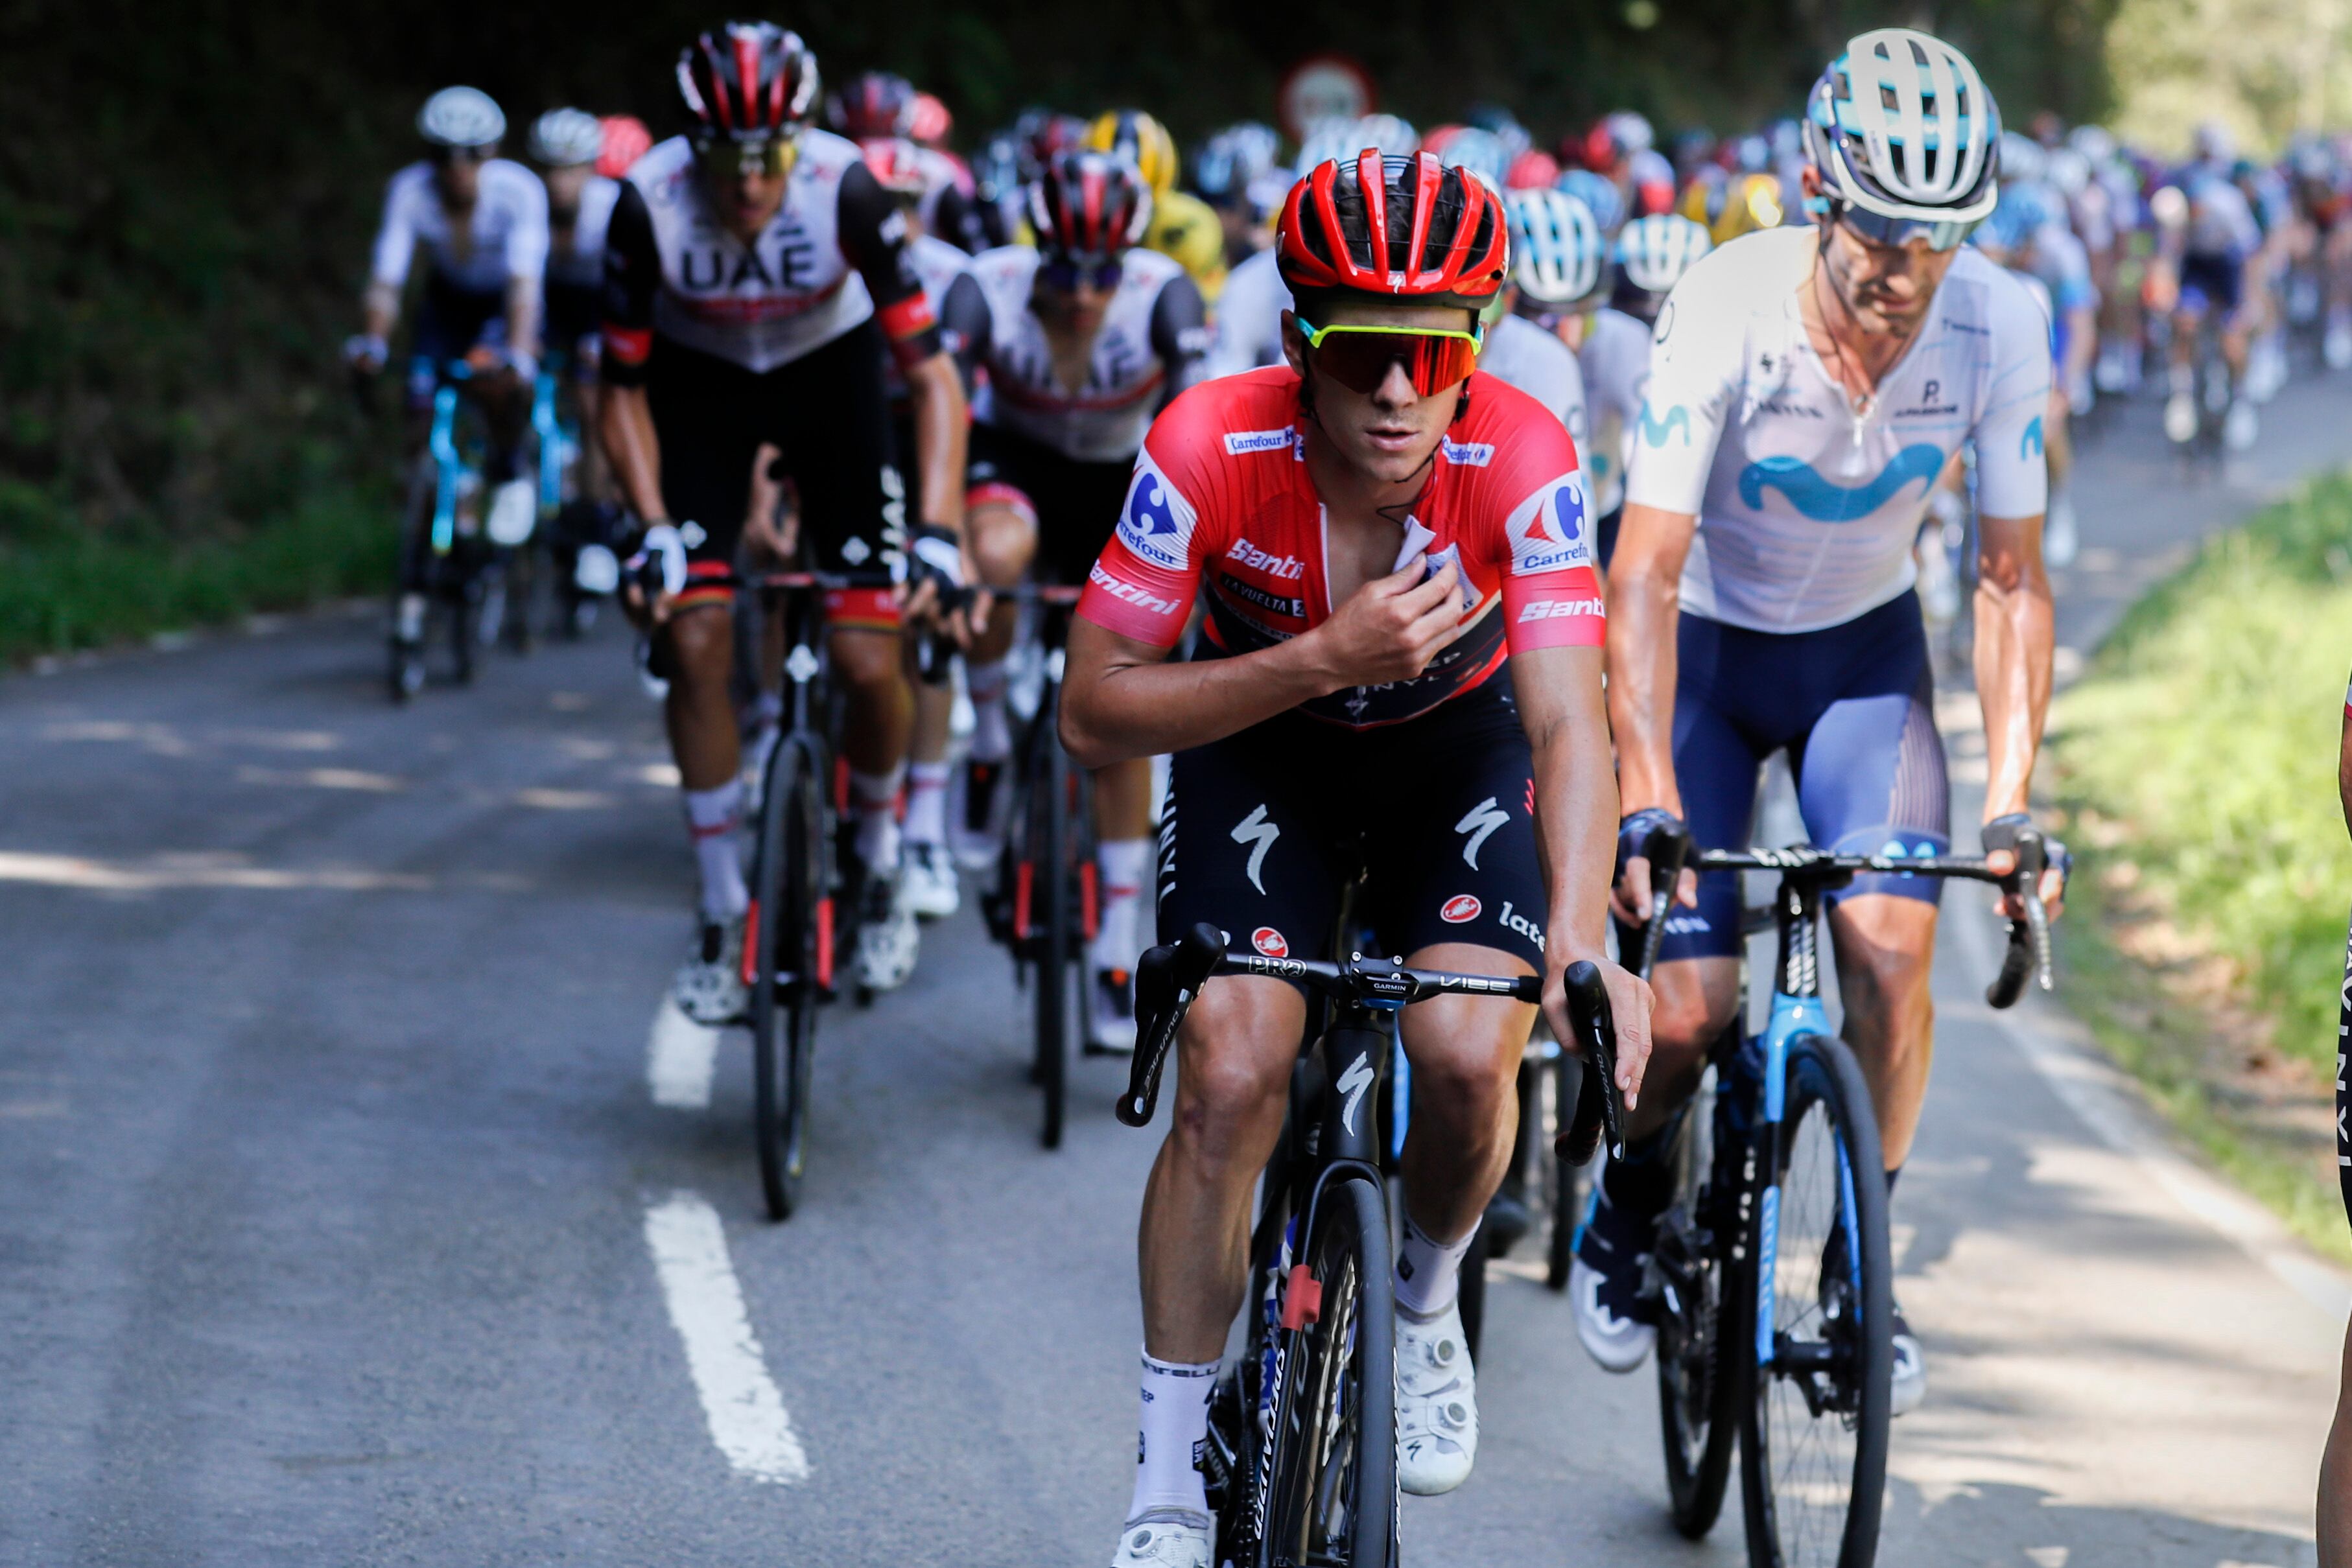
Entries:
{"x":1129,"y":593}
{"x":1240,"y":442}
{"x":1561,"y":609}
{"x":1155,"y":523}
{"x":1288,"y":568}
{"x":1547,"y":532}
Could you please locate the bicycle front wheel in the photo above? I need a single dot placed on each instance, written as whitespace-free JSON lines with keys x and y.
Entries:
{"x":1813,"y":1445}
{"x":1333,"y":1499}
{"x":1700,"y":1344}
{"x":1053,"y":919}
{"x":789,"y":944}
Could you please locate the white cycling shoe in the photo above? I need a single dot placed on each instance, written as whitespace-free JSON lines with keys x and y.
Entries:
{"x":1908,"y":1388}
{"x":2241,"y":425}
{"x":931,"y":888}
{"x":2180,"y":418}
{"x":708,"y":987}
{"x":1436,"y":1403}
{"x":1166,"y":1538}
{"x":887,"y":937}
{"x":1110,"y":1021}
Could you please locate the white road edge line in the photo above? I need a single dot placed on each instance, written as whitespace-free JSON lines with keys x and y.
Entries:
{"x":2062,"y":1049}
{"x":680,"y":1055}
{"x":747,"y":1416}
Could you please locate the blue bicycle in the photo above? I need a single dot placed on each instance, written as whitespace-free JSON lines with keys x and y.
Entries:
{"x":461,"y":541}
{"x":1772,"y":1275}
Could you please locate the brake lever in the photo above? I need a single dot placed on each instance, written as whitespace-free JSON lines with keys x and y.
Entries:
{"x":1167,"y":978}
{"x":1594,"y":1024}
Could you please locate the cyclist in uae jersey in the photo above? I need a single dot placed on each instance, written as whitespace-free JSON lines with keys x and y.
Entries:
{"x":1377,"y":532}
{"x":754,"y":274}
{"x":1807,"y":387}
{"x":1087,"y":337}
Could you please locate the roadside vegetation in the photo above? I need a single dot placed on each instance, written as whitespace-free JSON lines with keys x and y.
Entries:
{"x":2196,"y":767}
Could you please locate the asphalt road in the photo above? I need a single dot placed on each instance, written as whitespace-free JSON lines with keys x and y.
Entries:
{"x":364,"y":1208}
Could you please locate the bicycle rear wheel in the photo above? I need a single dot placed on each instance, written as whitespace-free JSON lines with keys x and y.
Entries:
{"x":1813,"y":1440}
{"x":1054,"y":920}
{"x":1332,"y":1494}
{"x":1700,"y":1349}
{"x":789,"y":945}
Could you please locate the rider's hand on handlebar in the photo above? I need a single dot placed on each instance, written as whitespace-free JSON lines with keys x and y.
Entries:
{"x":2001,"y":860}
{"x":654,"y":574}
{"x":1628,"y":999}
{"x":365,"y":354}
{"x":1393,"y":626}
{"x":938,"y":567}
{"x":1629,"y":901}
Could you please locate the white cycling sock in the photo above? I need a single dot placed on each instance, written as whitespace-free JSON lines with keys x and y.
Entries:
{"x":1429,"y":1273}
{"x":927,"y":802}
{"x":992,"y":728}
{"x":1120,"y":866}
{"x":873,"y":797}
{"x":712,"y":817}
{"x":1174,"y":1427}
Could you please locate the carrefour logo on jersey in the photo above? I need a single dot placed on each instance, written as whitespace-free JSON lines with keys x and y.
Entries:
{"x":1547,"y":532}
{"x":1155,"y":523}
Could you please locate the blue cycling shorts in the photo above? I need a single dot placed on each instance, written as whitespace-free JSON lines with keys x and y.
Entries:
{"x":1853,"y":706}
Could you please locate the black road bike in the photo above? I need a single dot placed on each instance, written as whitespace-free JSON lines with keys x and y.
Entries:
{"x":1301,"y":1455}
{"x":1772,"y":1279}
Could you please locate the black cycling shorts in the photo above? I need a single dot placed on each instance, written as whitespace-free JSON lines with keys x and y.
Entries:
{"x":826,"y":412}
{"x":1262,"y":826}
{"x":1075,"y":506}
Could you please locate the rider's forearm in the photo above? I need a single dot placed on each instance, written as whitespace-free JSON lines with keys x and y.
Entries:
{"x":1576,"y":798}
{"x":2015,"y":635}
{"x":943,"y":428}
{"x":626,"y":425}
{"x":522,"y":315}
{"x":379,"y":308}
{"x":1644,"y":610}
{"x":1114,"y":709}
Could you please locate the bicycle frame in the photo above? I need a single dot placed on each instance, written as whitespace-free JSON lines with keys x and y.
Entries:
{"x":557,"y":445}
{"x":450,"y":470}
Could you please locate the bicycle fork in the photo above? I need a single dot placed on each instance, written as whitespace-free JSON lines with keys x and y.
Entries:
{"x":1796,"y":1010}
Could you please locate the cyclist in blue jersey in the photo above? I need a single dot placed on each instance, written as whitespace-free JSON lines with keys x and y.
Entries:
{"x":1808,"y":385}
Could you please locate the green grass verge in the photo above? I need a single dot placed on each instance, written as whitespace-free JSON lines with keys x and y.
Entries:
{"x":2195,"y":766}
{"x":62,"y":588}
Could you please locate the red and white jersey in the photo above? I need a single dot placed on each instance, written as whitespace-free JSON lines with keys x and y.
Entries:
{"x":789,"y":292}
{"x":1127,"y":370}
{"x":1221,"y":500}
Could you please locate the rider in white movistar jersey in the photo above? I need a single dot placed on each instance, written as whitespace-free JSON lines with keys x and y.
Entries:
{"x":1807,"y":387}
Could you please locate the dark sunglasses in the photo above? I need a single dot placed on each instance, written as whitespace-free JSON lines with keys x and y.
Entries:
{"x":1359,"y":357}
{"x":444,"y":156}
{"x":1879,"y":229}
{"x":1062,"y":275}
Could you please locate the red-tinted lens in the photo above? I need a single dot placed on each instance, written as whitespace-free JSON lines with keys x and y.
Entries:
{"x":1361,"y":361}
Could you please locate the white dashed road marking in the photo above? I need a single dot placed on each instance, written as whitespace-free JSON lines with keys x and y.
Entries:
{"x":679,"y":1056}
{"x":746,"y":1415}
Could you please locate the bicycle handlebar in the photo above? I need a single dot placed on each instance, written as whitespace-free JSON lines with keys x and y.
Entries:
{"x":1171,"y":976}
{"x":1669,"y":850}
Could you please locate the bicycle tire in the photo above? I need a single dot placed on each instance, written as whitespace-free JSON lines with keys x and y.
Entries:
{"x":1332,"y":1497}
{"x":789,"y":954}
{"x":1700,"y":1333}
{"x":1052,"y":923}
{"x":1791,"y":1524}
{"x":1569,"y":1185}
{"x":1472,"y":1290}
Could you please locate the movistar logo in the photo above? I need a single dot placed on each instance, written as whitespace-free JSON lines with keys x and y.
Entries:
{"x":1825,"y":501}
{"x":1655,"y":430}
{"x":2030,"y":444}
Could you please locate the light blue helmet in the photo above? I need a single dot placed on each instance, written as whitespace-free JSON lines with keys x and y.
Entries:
{"x":1558,"y":254}
{"x":1476,"y":152}
{"x":1600,"y":196}
{"x":1654,"y":251}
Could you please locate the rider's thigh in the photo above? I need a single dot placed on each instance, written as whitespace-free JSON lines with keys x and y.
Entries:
{"x":1463,"y":1045}
{"x":702,"y":644}
{"x":1886,"y":940}
{"x":1695,"y":1000}
{"x":1233,"y":1060}
{"x":867,"y":659}
{"x":1003,"y":542}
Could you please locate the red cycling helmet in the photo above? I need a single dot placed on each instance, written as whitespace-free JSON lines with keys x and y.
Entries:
{"x":896,"y":165}
{"x":1533,"y":170}
{"x":873,"y":104}
{"x":1442,"y":238}
{"x":626,"y":140}
{"x":746,"y":82}
{"x":929,"y":123}
{"x":1088,"y":207}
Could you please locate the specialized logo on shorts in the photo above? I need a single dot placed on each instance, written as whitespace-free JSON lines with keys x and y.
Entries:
{"x":1241,"y":442}
{"x":1460,"y":909}
{"x":1269,"y":941}
{"x":1155,"y":523}
{"x":1480,"y":823}
{"x":1468,"y":454}
{"x":1826,"y":501}
{"x":1546,"y":532}
{"x":1259,"y":834}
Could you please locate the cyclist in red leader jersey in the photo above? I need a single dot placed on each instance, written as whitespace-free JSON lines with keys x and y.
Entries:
{"x":1379,"y":532}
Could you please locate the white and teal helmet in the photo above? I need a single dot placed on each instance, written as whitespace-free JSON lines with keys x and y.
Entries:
{"x":562,"y":137}
{"x":1654,"y":251}
{"x":461,"y":117}
{"x":1558,"y":254}
{"x":1902,"y":126}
